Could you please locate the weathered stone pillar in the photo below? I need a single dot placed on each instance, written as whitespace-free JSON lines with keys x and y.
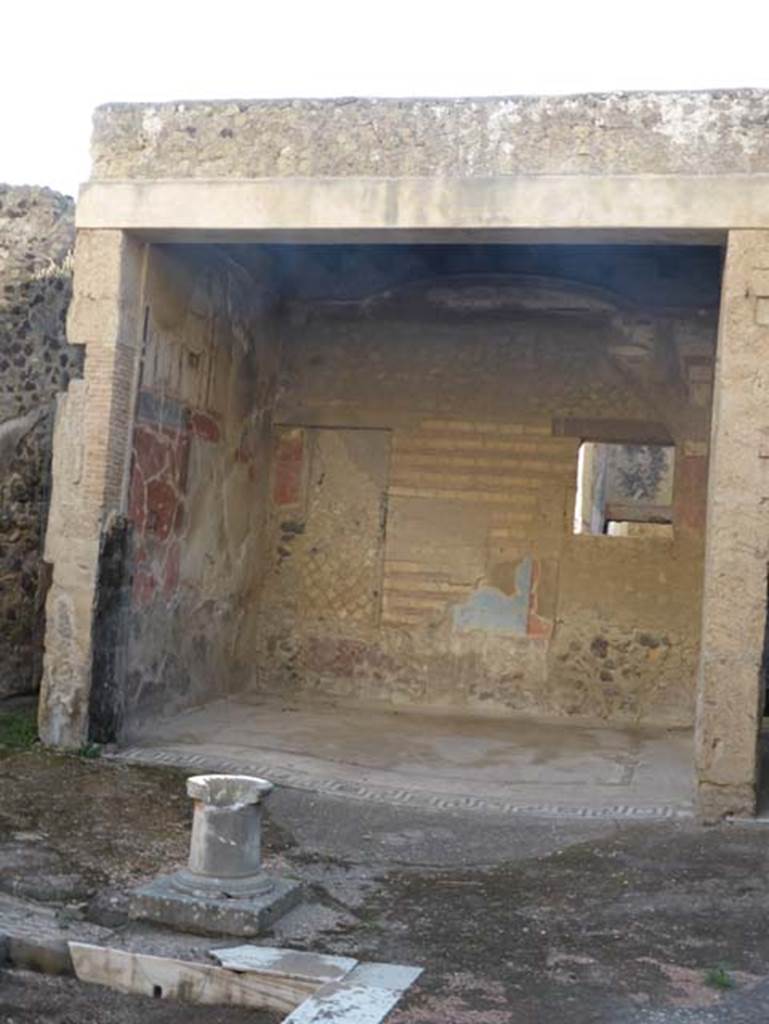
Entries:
{"x":730,"y":689}
{"x":90,"y":460}
{"x":225,"y":846}
{"x":224,"y":888}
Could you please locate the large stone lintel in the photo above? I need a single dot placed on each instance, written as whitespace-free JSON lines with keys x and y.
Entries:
{"x":269,"y":207}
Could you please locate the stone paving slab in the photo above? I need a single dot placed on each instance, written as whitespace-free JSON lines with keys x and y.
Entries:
{"x":162,"y":902}
{"x":365,"y":996}
{"x":315,"y":967}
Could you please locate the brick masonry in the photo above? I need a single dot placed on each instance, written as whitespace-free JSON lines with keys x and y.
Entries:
{"x":503,"y":471}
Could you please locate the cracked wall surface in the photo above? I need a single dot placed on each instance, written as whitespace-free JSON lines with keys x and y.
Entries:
{"x":36,"y":363}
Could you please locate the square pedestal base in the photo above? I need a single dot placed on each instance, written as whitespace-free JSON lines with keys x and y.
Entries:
{"x":162,"y":903}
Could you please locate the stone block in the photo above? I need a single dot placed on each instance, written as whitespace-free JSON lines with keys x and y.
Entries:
{"x":316,"y":968}
{"x":163,"y":903}
{"x":62,"y":709}
{"x":163,"y":977}
{"x":107,"y":264}
{"x":107,"y":286}
{"x":614,"y":133}
{"x":365,"y":996}
{"x":717,"y":802}
{"x":106,"y":321}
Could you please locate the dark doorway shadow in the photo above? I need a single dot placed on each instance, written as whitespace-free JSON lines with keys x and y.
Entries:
{"x":762,"y":803}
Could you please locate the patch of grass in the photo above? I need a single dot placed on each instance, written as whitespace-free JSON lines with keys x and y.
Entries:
{"x":719,"y":977}
{"x":18,"y":730}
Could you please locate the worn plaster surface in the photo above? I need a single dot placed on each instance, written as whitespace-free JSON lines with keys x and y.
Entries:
{"x":197,"y":491}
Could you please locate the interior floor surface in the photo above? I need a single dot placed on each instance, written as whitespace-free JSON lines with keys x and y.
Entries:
{"x":511,"y":765}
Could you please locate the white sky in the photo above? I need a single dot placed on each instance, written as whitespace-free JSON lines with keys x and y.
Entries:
{"x":61,"y":58}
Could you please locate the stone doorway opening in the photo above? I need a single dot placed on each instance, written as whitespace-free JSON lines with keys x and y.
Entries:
{"x":351,"y":478}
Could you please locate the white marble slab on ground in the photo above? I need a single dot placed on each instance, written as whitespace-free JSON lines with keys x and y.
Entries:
{"x":167,"y":978}
{"x":365,"y":996}
{"x":311,"y":967}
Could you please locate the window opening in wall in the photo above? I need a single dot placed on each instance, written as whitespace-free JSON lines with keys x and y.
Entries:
{"x":625,"y":490}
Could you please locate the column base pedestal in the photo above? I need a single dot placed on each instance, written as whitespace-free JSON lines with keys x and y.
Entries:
{"x":177,"y":902}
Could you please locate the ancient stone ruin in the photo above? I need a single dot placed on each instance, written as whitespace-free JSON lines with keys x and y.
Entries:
{"x":37,"y":232}
{"x":224,"y":888}
{"x":416,"y":404}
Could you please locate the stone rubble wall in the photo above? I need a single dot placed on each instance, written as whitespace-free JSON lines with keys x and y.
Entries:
{"x":36,"y":363}
{"x":612,"y":133}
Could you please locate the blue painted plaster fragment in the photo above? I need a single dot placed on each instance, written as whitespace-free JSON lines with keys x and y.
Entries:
{"x":492,"y":611}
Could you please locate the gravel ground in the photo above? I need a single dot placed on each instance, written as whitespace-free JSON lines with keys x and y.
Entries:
{"x":515,"y":920}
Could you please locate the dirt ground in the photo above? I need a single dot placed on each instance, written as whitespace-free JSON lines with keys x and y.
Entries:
{"x":514,"y":920}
